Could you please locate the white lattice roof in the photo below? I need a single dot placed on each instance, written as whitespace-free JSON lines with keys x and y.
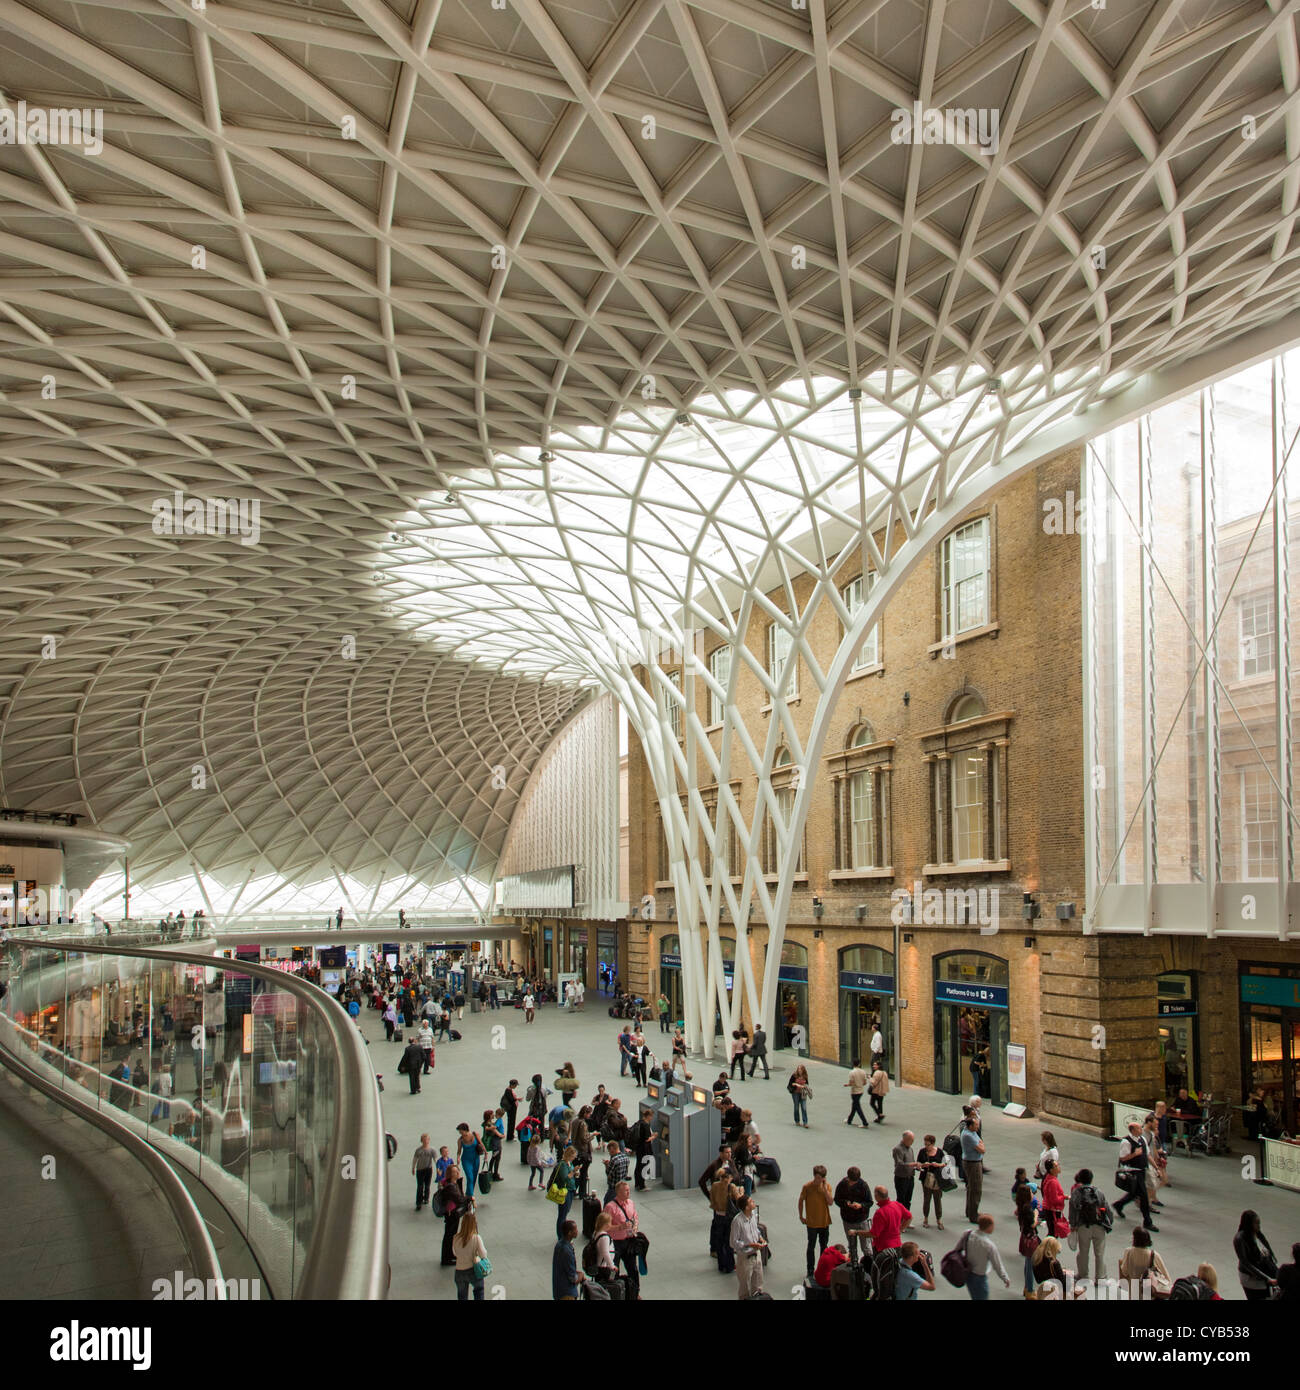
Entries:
{"x":433,"y":282}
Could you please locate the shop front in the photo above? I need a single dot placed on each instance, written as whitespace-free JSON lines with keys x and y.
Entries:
{"x":1270,"y":1037}
{"x":866,"y":993}
{"x":670,"y":974}
{"x":607,"y":964}
{"x":792,"y":989}
{"x":1177,"y":1030}
{"x":972,"y":999}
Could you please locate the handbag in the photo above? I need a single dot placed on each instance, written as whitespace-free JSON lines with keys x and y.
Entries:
{"x":948,"y":1176}
{"x":482,"y":1267}
{"x":592,"y":1292}
{"x":1029,"y":1242}
{"x":955,"y":1266}
{"x":558,"y":1195}
{"x":1127,"y":1179}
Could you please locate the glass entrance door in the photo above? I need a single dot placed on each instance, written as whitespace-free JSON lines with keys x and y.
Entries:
{"x":970,"y":1051}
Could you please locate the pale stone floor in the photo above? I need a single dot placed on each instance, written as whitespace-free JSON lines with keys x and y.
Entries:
{"x":1203,"y":1204}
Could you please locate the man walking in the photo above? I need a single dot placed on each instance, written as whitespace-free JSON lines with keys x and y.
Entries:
{"x":758,"y":1053}
{"x":982,"y":1253}
{"x":877,"y":1047}
{"x":409,"y":1066}
{"x":748,"y":1243}
{"x":1135,"y":1160}
{"x":662,"y":1006}
{"x":857,"y":1084}
{"x":972,"y":1165}
{"x":624,"y":1049}
{"x":905,"y":1168}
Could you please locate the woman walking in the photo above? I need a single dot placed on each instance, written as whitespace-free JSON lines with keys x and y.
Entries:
{"x":929,"y":1163}
{"x":469,"y":1249}
{"x":737,"y":1055}
{"x":469,"y":1154}
{"x":1256,"y":1263}
{"x":800,"y":1089}
{"x":390,"y":1021}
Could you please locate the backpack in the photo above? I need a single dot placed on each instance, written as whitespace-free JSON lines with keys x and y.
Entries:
{"x":589,"y":1259}
{"x":1093,"y":1210}
{"x":1189,"y":1287}
{"x":884,"y":1272}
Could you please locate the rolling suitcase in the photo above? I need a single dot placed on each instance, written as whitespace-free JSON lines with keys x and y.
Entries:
{"x":849,"y":1281}
{"x":814,"y":1293}
{"x":590,"y":1211}
{"x":397,"y":1035}
{"x":768,"y":1169}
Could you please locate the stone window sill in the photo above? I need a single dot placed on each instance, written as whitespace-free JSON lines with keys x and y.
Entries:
{"x":974,"y":866}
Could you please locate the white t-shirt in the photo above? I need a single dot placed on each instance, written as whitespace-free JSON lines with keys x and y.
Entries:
{"x":528,"y":1001}
{"x":877,"y":1042}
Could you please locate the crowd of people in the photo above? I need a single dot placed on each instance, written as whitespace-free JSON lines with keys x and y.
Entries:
{"x":590,"y":1158}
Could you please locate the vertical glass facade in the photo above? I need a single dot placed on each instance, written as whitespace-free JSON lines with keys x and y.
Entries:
{"x":1191,"y":554}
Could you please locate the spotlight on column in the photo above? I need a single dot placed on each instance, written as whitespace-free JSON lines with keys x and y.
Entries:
{"x":861,"y":912}
{"x":817,"y":935}
{"x":546,"y":456}
{"x":1030,"y":908}
{"x":1030,"y":942}
{"x":818,"y":906}
{"x":672,"y":911}
{"x":1064,"y":911}
{"x":907,"y":938}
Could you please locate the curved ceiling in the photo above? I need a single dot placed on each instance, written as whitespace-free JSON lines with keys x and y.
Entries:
{"x":525,"y":326}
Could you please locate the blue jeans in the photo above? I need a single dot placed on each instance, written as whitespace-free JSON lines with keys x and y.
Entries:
{"x":466,"y":1279}
{"x":562,"y":1210}
{"x":1029,"y":1274}
{"x":800,"y":1107}
{"x":978,"y":1284}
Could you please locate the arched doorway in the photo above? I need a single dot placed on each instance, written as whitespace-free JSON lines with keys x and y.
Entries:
{"x":972,"y":1002}
{"x":866,"y":995}
{"x":670,"y":973}
{"x":793,"y":1025}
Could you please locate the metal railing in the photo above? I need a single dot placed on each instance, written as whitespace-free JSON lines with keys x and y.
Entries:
{"x":282,"y":1122}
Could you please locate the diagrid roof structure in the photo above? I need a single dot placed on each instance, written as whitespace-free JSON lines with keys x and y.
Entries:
{"x":533,"y":329}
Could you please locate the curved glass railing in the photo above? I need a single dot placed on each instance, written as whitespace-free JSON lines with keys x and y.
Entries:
{"x":254,"y":1082}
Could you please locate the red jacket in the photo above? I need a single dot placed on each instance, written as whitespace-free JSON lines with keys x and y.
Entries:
{"x":830,"y":1261}
{"x":1053,"y":1195}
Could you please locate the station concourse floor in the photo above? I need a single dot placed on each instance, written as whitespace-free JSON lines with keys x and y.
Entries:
{"x":1202,"y":1206}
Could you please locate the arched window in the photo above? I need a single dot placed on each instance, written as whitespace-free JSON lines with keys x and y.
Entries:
{"x":966,"y":707}
{"x":862,"y":736}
